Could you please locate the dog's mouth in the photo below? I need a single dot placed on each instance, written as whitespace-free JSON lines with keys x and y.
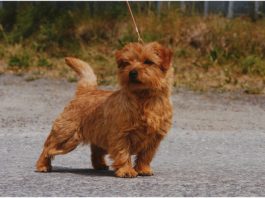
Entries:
{"x":135,"y":81}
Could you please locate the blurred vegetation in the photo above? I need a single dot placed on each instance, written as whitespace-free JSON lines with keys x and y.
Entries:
{"x":209,"y":53}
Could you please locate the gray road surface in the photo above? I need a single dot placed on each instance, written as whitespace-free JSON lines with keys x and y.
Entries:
{"x":215,"y":148}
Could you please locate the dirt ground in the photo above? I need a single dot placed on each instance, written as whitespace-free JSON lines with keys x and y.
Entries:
{"x":216,"y":146}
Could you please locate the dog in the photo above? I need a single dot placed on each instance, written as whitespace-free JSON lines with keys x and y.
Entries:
{"x":130,"y":121}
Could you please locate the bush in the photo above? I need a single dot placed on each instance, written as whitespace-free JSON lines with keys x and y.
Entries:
{"x":210,"y":51}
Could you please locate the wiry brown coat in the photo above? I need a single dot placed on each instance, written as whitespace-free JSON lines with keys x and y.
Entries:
{"x":132,"y":120}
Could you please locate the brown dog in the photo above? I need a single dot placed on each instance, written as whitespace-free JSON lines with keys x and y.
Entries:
{"x":130,"y":121}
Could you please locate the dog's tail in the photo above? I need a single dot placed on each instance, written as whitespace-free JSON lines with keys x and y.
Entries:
{"x":88,"y":80}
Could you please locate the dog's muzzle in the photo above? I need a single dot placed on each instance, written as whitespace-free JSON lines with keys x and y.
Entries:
{"x":133,"y":75}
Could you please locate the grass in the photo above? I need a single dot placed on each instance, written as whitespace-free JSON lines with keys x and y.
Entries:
{"x":22,"y":61}
{"x":209,"y":53}
{"x":42,"y":62}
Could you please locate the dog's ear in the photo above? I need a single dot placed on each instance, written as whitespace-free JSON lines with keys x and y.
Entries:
{"x":166,"y":56}
{"x":118,"y":55}
{"x":119,"y":59}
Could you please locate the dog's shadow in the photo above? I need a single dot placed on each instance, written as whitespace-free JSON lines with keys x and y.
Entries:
{"x":83,"y":171}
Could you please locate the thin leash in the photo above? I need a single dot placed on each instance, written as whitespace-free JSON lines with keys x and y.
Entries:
{"x":140,"y":40}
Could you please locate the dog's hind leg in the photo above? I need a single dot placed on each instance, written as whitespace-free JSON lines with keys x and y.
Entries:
{"x":55,"y":145}
{"x":97,"y":158}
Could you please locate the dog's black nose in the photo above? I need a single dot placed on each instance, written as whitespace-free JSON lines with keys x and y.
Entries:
{"x":133,"y":75}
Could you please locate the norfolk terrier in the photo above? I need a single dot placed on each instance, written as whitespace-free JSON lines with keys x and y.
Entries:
{"x":130,"y":121}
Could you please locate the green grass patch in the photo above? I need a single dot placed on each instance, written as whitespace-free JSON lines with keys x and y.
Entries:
{"x":20,"y":61}
{"x":43,"y":62}
{"x":253,"y":65}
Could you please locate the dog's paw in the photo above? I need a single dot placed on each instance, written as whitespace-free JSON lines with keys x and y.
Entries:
{"x":43,"y":169}
{"x":144,"y":171}
{"x":126,"y":172}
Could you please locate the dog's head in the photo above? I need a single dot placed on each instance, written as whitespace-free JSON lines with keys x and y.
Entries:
{"x":144,"y":66}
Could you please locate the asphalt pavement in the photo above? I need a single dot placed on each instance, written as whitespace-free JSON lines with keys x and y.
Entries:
{"x":216,"y":146}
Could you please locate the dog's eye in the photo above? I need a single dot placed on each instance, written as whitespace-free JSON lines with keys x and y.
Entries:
{"x":148,"y":62}
{"x":123,"y":64}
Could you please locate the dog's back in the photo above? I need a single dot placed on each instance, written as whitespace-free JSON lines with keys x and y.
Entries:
{"x":86,"y":101}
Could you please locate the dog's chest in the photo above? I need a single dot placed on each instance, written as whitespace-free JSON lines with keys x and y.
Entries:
{"x":152,"y":120}
{"x":155,"y":116}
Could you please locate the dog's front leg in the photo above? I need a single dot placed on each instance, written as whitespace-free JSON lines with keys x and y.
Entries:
{"x":122,"y":164}
{"x":145,"y":156}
